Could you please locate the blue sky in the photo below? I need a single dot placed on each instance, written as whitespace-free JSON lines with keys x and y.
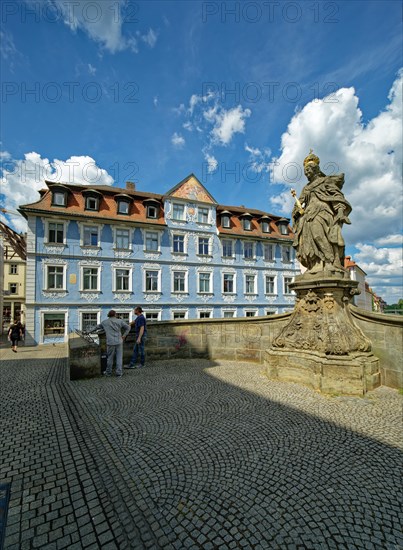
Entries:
{"x":151,"y":91}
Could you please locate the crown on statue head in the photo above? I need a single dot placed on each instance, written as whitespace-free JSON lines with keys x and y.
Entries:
{"x":311,"y":159}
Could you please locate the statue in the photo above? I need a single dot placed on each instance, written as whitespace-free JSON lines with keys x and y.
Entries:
{"x":318,"y":217}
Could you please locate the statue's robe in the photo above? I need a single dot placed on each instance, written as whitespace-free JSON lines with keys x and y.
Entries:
{"x":318,"y":230}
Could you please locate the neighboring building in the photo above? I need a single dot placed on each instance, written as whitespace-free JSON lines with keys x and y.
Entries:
{"x":12,"y":276}
{"x":367,"y":299}
{"x":179,"y":255}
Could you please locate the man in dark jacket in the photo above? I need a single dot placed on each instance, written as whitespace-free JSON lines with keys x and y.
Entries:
{"x":140,"y":330}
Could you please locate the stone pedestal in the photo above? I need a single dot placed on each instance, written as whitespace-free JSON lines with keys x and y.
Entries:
{"x":321,"y":346}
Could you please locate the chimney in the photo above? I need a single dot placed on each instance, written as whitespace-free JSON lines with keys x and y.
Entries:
{"x":130,"y":186}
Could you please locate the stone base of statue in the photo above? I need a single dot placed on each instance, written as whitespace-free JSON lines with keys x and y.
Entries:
{"x":321,"y":346}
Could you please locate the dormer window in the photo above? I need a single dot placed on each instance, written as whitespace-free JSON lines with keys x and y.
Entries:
{"x":247,"y":225}
{"x":59,"y":198}
{"x":265,"y":224}
{"x":123,"y":207}
{"x":92,"y":203}
{"x":283,"y":226}
{"x":226,"y":219}
{"x":152,"y":211}
{"x":152,"y":207}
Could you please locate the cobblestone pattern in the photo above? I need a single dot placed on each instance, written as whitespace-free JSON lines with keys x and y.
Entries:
{"x":199,"y":455}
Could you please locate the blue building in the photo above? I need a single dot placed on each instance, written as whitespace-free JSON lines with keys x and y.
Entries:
{"x":180,"y":255}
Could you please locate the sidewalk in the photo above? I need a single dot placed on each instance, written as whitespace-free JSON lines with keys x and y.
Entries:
{"x":195,"y":455}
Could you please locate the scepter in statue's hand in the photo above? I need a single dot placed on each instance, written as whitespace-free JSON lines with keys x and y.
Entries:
{"x":298,"y":204}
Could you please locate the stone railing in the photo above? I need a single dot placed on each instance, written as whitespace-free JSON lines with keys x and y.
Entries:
{"x":386,"y":335}
{"x":240,"y":339}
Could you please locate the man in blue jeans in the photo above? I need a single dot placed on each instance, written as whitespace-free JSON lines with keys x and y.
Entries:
{"x":116,"y":331}
{"x":140,"y":332}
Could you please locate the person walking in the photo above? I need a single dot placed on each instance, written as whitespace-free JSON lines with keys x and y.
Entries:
{"x":15,"y":334}
{"x":116,"y":331}
{"x":140,"y":332}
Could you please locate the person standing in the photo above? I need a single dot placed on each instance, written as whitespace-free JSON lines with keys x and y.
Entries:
{"x":116,"y":331}
{"x":15,"y":334}
{"x":140,"y":332}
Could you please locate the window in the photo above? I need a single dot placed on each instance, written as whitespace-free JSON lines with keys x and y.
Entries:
{"x":225,"y":221}
{"x":152,"y":278}
{"x":152,"y":243}
{"x":203,"y":248}
{"x":202,"y":215}
{"x":247,"y":224}
{"x":250,"y":313}
{"x":250,"y":284}
{"x":123,"y":207}
{"x":179,"y":281}
{"x":92,"y":203}
{"x":122,"y":279}
{"x":287,"y":282}
{"x":227,"y":248}
{"x":13,"y":269}
{"x":179,"y":244}
{"x":179,"y":315}
{"x":90,"y":278}
{"x":55,"y":233}
{"x":204,"y":314}
{"x":152,"y":211}
{"x":228,"y":283}
{"x":55,"y":277}
{"x":178,"y":212}
{"x":88,"y":320}
{"x":268,"y":252}
{"x":90,"y":235}
{"x":265,"y":227}
{"x":286,"y":253}
{"x":59,"y":198}
{"x":53,"y":324}
{"x":284,"y":228}
{"x":269,"y":284}
{"x":13,"y":288}
{"x":228,"y":314}
{"x":152,"y":315}
{"x":248,"y":251}
{"x":124,"y":315}
{"x":270,"y":312}
{"x":204,"y":282}
{"x":122,"y":239}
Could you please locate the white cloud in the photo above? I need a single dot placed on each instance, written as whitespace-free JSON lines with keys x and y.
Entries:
{"x":150,"y":38}
{"x":155,"y":101}
{"x":259,"y":161}
{"x":228,"y":123}
{"x":390,"y":240}
{"x":370,"y":155}
{"x":177,"y":141}
{"x":92,"y":70}
{"x":212,"y":162}
{"x":102,"y":21}
{"x":22,"y":178}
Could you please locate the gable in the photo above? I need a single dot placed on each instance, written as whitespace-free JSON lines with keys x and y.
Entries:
{"x":191,"y":189}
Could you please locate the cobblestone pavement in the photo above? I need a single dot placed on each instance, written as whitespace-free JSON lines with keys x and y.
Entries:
{"x":197,"y":455}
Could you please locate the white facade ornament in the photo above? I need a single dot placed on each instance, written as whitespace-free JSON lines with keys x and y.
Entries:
{"x":123,"y":253}
{"x":122,"y":265}
{"x":250,"y":297}
{"x":179,"y":267}
{"x":228,"y":298}
{"x":205,"y":297}
{"x":89,"y":296}
{"x":54,"y":248}
{"x":270,"y":298}
{"x":289,"y":299}
{"x":152,"y":297}
{"x":91,"y":251}
{"x":227,"y":261}
{"x":152,"y":255}
{"x":54,"y":294}
{"x":180,"y":296}
{"x":92,"y":263}
{"x":122,"y":296}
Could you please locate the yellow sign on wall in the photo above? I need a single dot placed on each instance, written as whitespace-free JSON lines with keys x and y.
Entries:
{"x":73,"y":278}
